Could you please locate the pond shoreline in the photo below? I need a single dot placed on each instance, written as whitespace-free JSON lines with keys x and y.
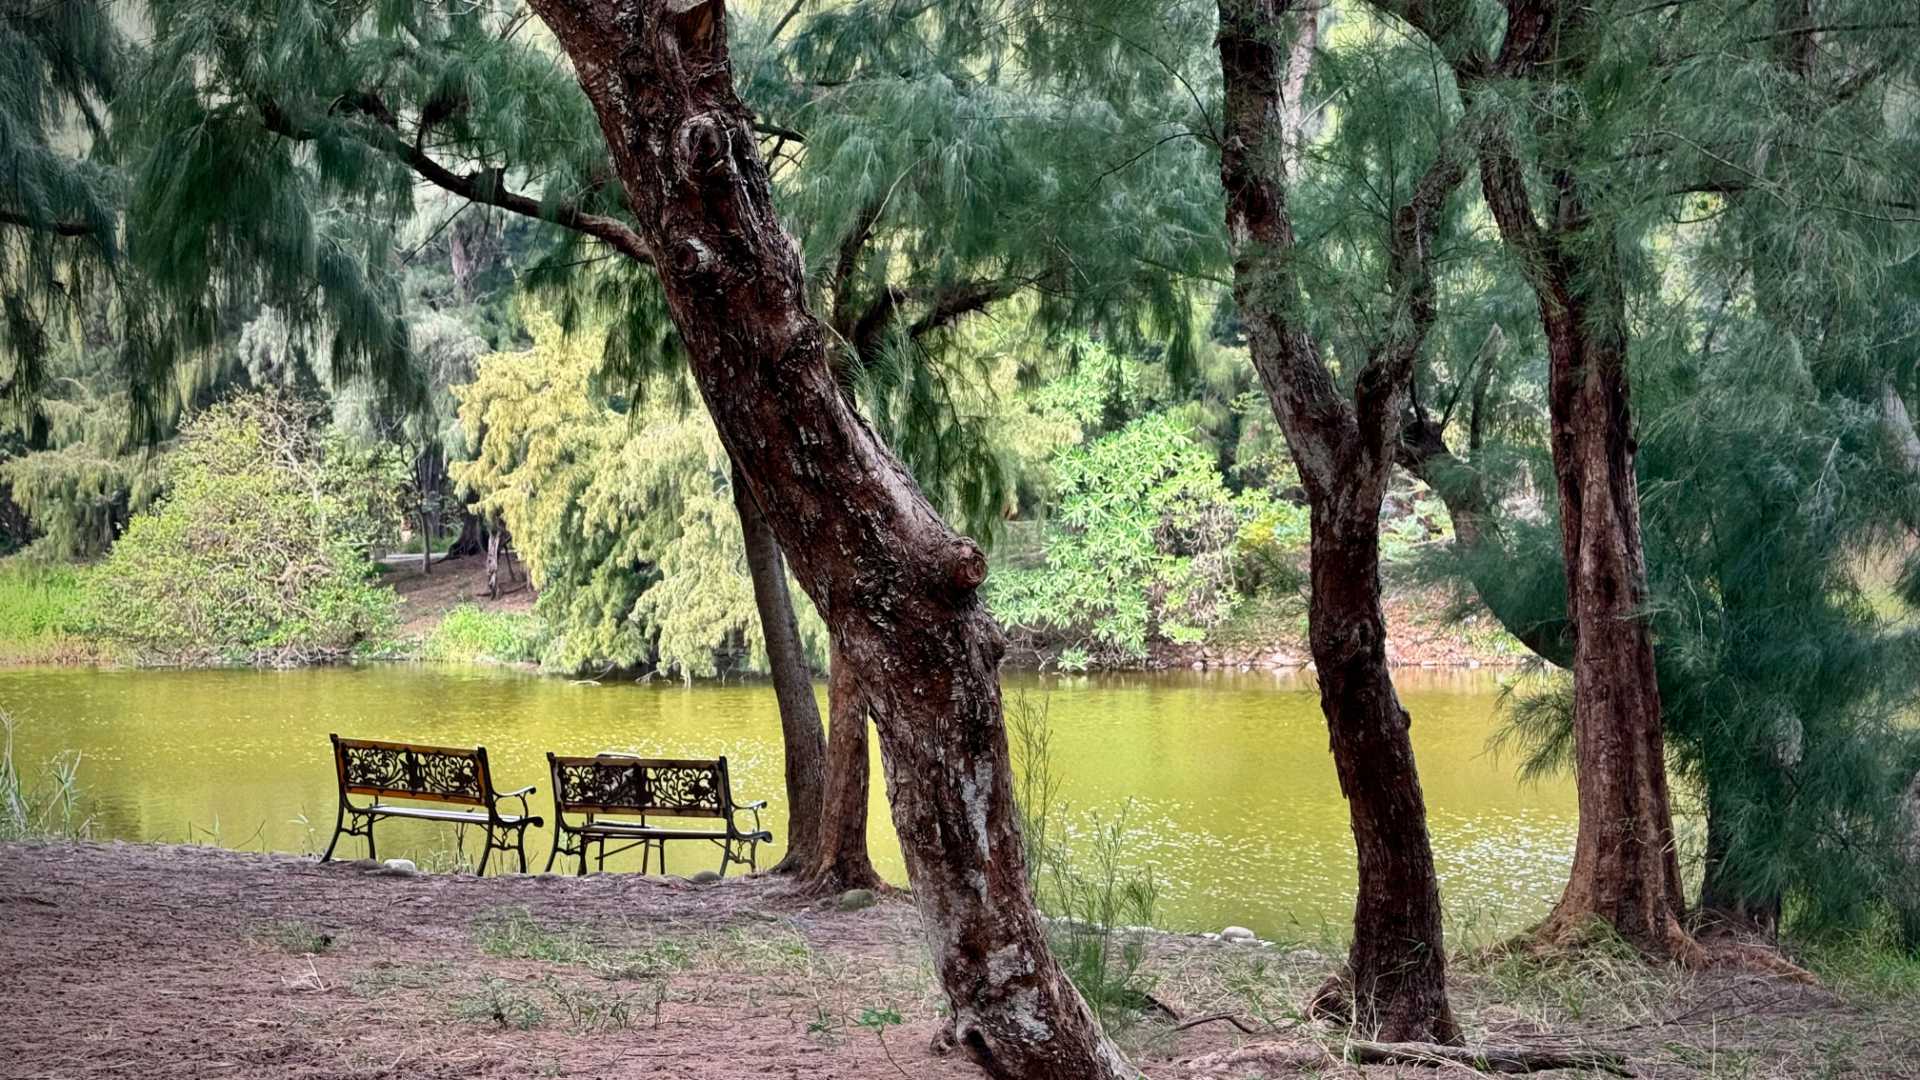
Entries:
{"x":180,"y":961}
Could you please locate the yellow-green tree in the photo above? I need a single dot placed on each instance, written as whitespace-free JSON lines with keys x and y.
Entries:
{"x":623,"y":509}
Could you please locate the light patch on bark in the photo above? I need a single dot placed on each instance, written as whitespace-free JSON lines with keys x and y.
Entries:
{"x":974,"y":791}
{"x":1025,"y":1012}
{"x":1007,"y":963}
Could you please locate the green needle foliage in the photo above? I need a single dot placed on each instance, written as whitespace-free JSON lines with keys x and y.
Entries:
{"x":623,"y":511}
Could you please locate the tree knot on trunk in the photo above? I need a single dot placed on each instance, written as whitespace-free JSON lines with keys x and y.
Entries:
{"x":705,"y":144}
{"x":692,"y":258}
{"x":967,"y":564}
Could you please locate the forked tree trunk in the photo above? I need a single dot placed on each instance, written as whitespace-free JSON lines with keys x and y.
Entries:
{"x":842,"y":861}
{"x":1395,"y":981}
{"x":899,"y":589}
{"x":803,"y":747}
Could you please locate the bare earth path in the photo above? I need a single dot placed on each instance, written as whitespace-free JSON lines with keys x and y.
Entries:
{"x":163,"y":962}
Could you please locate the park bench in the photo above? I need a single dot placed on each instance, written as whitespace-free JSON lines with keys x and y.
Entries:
{"x":594,"y":789}
{"x":451,"y":776}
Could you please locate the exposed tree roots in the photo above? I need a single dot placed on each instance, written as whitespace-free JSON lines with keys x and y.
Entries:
{"x":1710,"y":951}
{"x":1291,"y":1056}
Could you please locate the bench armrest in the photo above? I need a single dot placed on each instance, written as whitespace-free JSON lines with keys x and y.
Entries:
{"x":520,"y":793}
{"x":760,"y":804}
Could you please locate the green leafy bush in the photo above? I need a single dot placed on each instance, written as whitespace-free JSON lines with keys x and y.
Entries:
{"x":1144,"y":546}
{"x":38,"y":601}
{"x":467,"y":633}
{"x":259,"y":552}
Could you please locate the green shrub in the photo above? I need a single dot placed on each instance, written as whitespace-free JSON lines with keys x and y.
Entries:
{"x":260,"y":550}
{"x":1143,"y":547}
{"x":469,"y":634}
{"x":38,"y":601}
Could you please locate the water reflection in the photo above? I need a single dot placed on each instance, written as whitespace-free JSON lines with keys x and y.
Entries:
{"x":1224,"y":779}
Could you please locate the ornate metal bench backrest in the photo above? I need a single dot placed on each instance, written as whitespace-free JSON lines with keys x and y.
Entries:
{"x":662,"y":787}
{"x":409,"y":771}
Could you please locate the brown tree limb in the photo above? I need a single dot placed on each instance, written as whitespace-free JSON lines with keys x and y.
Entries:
{"x":487,"y":186}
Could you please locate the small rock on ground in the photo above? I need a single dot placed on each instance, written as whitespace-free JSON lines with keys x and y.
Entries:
{"x":855,"y":899}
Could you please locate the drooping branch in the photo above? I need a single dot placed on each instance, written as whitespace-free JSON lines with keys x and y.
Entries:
{"x":487,"y":186}
{"x":57,"y":227}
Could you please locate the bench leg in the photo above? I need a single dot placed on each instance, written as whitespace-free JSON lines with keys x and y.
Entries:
{"x":558,"y":832}
{"x":520,"y":843}
{"x":486,"y":852}
{"x":339,"y":824}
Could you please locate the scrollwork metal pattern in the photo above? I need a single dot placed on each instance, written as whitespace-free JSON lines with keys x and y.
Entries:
{"x":642,"y":787}
{"x":451,"y":775}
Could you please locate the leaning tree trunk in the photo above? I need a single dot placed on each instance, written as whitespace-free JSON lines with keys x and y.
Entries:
{"x":1395,"y":980}
{"x":805,"y":750}
{"x":898,"y":587}
{"x":842,"y":861}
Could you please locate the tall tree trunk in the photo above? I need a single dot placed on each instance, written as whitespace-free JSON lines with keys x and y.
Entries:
{"x":1626,"y":873}
{"x":1396,"y":967}
{"x":1395,"y":980}
{"x":842,"y":862}
{"x":1728,"y":903}
{"x":898,"y":587}
{"x":804,"y":748}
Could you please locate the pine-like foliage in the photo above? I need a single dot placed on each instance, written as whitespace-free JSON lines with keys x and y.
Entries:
{"x":623,"y":511}
{"x":59,"y":65}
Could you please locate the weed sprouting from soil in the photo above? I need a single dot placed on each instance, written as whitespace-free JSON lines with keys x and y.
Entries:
{"x":498,"y":1002}
{"x":1100,"y":907}
{"x":296,"y":936}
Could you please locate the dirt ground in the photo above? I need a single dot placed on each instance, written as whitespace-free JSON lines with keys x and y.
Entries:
{"x":161,"y":962}
{"x":425,"y":598}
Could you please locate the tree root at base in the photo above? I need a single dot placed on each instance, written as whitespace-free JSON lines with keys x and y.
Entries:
{"x":1492,"y":1059}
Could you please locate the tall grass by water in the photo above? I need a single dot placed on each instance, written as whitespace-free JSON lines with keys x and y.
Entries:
{"x":467,"y":634}
{"x":45,"y":807}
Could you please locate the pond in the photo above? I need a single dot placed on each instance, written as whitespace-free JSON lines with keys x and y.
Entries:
{"x":1223,"y":781}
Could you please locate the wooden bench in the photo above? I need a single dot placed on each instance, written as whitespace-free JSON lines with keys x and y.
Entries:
{"x":449,"y":775}
{"x":594,"y":788}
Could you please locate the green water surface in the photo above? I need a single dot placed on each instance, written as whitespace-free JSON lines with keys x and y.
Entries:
{"x":1225,"y":781}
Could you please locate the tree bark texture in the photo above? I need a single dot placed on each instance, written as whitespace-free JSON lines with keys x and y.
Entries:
{"x":842,"y":861}
{"x":898,"y":587}
{"x":1626,"y":872}
{"x":804,"y":748}
{"x":1395,"y":982}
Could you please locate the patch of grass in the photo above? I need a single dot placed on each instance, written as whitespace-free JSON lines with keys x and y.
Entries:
{"x":590,"y":1012}
{"x":468,"y":634}
{"x":49,"y":809}
{"x":498,"y":1002}
{"x":1868,"y":963}
{"x":514,"y":932}
{"x":297,"y":936}
{"x":42,"y":617}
